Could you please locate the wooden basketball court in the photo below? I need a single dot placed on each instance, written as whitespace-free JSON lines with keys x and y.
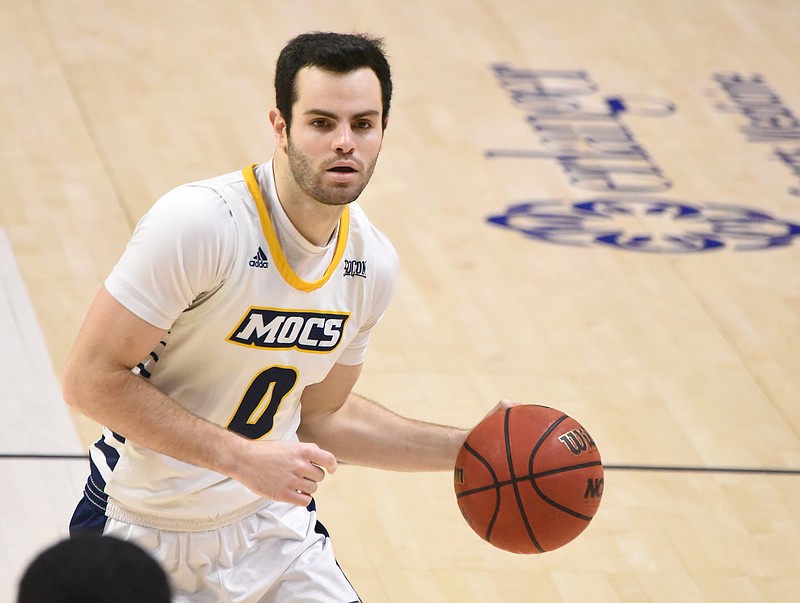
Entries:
{"x":597,"y":207}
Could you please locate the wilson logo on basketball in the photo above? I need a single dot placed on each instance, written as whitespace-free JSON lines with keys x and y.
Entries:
{"x":282,"y":329}
{"x":577,"y":441}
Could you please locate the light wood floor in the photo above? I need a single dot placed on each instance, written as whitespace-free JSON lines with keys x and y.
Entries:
{"x":671,"y":360}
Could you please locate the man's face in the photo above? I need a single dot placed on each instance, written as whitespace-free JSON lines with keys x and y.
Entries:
{"x":336,"y":133}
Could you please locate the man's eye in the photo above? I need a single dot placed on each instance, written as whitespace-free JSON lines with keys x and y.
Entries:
{"x":363,"y":125}
{"x":320,"y":123}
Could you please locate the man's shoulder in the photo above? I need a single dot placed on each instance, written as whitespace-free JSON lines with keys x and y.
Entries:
{"x":206,"y":195}
{"x":218,"y":183}
{"x":204,"y":201}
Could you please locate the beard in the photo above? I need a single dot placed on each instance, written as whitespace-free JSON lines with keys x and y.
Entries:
{"x":310,"y":180}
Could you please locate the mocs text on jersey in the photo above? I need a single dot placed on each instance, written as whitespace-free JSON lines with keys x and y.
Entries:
{"x":282,"y":329}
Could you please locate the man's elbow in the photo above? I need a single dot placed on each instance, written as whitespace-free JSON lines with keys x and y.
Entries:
{"x":71,"y":389}
{"x":79,"y":383}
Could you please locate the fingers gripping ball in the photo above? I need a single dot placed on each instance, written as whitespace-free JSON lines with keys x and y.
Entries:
{"x":528,"y":479}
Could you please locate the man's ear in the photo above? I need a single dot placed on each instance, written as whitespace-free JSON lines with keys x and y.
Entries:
{"x":279,"y":128}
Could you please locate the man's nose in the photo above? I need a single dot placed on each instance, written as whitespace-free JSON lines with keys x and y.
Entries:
{"x":344,"y":141}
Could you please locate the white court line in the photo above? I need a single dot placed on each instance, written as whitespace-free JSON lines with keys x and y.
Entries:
{"x":35,"y":415}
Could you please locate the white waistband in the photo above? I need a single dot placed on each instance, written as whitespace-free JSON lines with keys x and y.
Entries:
{"x":115,"y":510}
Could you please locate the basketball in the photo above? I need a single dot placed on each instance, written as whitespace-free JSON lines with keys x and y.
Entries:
{"x":528,"y":479}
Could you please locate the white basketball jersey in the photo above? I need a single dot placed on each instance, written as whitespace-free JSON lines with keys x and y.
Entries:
{"x":246,"y":333}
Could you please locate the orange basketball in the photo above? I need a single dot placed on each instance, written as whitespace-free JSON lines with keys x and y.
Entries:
{"x":528,"y":479}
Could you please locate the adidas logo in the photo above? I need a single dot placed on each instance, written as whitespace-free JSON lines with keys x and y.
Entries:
{"x":260,"y":259}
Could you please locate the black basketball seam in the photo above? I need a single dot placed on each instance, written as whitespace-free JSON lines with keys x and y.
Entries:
{"x":515,"y":480}
{"x":526,"y":478}
{"x":564,"y":469}
{"x":542,"y":439}
{"x":559,"y":506}
{"x":517,"y":495}
{"x":488,"y":466}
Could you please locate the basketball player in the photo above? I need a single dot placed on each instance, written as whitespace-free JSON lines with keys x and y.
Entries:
{"x":251,"y":297}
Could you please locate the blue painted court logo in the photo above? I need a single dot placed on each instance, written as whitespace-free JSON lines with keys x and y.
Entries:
{"x":648,"y":224}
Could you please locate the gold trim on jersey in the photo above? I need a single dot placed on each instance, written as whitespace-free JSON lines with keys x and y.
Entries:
{"x":281,"y":263}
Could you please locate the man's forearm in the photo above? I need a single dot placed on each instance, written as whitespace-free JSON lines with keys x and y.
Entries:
{"x":362,"y":432}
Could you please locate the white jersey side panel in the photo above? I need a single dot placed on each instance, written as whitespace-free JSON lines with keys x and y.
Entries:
{"x":241,"y":353}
